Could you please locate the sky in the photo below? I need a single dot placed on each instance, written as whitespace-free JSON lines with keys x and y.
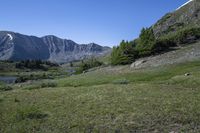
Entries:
{"x":105,"y":22}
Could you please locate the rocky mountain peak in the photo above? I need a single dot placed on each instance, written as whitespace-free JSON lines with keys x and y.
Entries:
{"x":15,"y":46}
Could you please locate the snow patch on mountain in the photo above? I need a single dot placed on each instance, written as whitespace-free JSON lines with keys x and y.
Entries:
{"x":10,"y":36}
{"x":184,"y":4}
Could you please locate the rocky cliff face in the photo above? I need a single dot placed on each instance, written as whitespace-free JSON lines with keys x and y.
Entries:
{"x":15,"y":46}
{"x":67,"y":50}
{"x":187,"y":15}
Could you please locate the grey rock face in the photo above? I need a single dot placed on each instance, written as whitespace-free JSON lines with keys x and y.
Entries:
{"x":186,"y":16}
{"x":137,"y":63}
{"x":15,"y":46}
{"x":6,"y":50}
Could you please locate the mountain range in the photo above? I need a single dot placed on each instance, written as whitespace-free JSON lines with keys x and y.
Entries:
{"x":15,"y":46}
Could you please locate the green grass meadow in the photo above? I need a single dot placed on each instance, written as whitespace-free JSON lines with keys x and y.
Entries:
{"x":108,"y":100}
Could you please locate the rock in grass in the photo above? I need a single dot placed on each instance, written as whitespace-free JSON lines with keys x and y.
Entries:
{"x":187,"y":74}
{"x":137,"y":63}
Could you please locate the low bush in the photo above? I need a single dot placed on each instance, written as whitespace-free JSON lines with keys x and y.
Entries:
{"x":187,"y":35}
{"x":21,"y":79}
{"x":35,"y":64}
{"x":181,"y":37}
{"x":1,"y":100}
{"x":163,"y":44}
{"x":30,"y":113}
{"x":41,"y":85}
{"x":1,"y":83}
{"x":48,"y":84}
{"x":86,"y":65}
{"x":5,"y":88}
{"x":25,"y":78}
{"x":121,"y":81}
{"x":32,"y":87}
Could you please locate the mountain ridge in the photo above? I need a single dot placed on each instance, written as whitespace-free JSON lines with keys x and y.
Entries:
{"x":184,"y":4}
{"x":16,"y":46}
{"x":187,"y":15}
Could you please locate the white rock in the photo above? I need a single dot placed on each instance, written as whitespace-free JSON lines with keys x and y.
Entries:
{"x":137,"y":63}
{"x":187,"y":74}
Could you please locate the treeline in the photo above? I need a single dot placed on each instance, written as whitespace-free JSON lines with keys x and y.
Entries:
{"x":35,"y":64}
{"x":147,"y":44}
{"x":24,"y":78}
{"x":6,"y":61}
{"x":88,"y":64}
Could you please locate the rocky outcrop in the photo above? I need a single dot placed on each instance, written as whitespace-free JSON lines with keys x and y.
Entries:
{"x":15,"y":46}
{"x":187,"y":15}
{"x":137,"y":63}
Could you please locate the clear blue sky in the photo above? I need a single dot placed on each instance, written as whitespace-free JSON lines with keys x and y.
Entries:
{"x":105,"y":22}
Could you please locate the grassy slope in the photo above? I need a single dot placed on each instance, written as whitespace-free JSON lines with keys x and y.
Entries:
{"x":155,"y":100}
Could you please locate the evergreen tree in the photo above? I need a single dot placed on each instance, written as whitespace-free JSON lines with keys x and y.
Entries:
{"x":123,"y":54}
{"x":71,"y":64}
{"x":146,"y":42}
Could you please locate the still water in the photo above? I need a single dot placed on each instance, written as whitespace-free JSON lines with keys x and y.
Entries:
{"x":8,"y":79}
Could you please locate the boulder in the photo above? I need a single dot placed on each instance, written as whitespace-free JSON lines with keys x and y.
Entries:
{"x":138,"y":63}
{"x":187,"y":74}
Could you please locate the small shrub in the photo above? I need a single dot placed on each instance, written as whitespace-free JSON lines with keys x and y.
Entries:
{"x":188,"y":35}
{"x":84,"y":66}
{"x":121,"y":81}
{"x":41,"y":85}
{"x":5,"y":88}
{"x":1,"y":83}
{"x":21,"y":79}
{"x":1,"y":100}
{"x":32,"y":87}
{"x":25,"y":78}
{"x":163,"y":44}
{"x":35,"y":65}
{"x":16,"y":100}
{"x":30,"y":113}
{"x":164,"y":18}
{"x":48,"y":84}
{"x":36,"y":115}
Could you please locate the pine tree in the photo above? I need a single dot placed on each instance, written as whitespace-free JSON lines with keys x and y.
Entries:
{"x":123,"y":54}
{"x":146,"y":41}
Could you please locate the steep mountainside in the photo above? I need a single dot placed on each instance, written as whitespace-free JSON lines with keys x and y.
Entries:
{"x":15,"y":46}
{"x":187,"y":15}
{"x":180,"y":55}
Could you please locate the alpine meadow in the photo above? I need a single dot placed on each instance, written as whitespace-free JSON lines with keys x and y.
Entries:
{"x":147,"y":84}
